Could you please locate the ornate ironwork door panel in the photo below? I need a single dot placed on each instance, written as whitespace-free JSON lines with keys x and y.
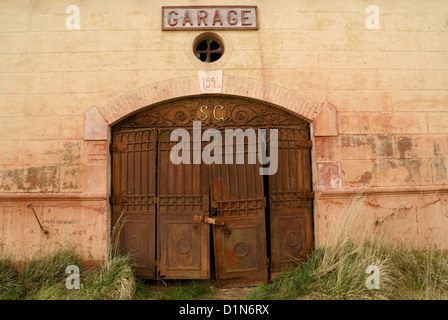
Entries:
{"x":166,"y":207}
{"x":237,"y":199}
{"x":134,"y":196}
{"x":183,"y":246}
{"x":290,"y":199}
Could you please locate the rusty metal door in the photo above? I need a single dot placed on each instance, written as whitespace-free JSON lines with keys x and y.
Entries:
{"x":167,"y":209}
{"x":238,"y":202}
{"x":290,"y":199}
{"x":183,"y":248}
{"x":134,"y":196}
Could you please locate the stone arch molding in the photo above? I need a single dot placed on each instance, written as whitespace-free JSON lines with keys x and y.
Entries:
{"x":98,"y":119}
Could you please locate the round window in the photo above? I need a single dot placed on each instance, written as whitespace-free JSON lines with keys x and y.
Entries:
{"x":208,"y":50}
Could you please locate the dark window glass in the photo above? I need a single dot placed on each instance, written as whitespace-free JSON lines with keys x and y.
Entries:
{"x":214,"y":45}
{"x":208,"y":50}
{"x":201,"y":46}
{"x":203,"y":57}
{"x":214,"y":56}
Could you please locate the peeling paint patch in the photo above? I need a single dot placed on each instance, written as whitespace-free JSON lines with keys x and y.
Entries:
{"x":387,"y":172}
{"x":413,"y":168}
{"x":71,"y":152}
{"x":350,"y":141}
{"x":32,"y":179}
{"x":71,"y":179}
{"x":365,"y":179}
{"x":405,"y":147}
{"x":436,"y":149}
{"x":329,"y":175}
{"x":381,"y":145}
{"x":440,"y":172}
{"x":395,"y":212}
{"x":372,"y":204}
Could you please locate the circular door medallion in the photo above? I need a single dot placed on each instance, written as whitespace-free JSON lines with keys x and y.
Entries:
{"x":241,"y":249}
{"x":133,"y":244}
{"x":292,"y":239}
{"x":183,"y":246}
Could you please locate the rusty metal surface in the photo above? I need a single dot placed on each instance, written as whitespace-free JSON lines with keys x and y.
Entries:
{"x":134,"y":196}
{"x":170,"y":209}
{"x":237,"y":193}
{"x":213,"y":112}
{"x":204,"y":219}
{"x":290,"y":200}
{"x":183,"y":251}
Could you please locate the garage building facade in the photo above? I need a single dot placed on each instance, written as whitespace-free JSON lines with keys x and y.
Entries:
{"x":90,"y":93}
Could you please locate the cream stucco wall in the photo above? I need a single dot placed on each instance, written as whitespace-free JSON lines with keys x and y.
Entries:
{"x":389,"y":86}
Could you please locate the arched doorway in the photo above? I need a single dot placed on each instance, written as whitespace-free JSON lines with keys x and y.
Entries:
{"x":223,"y":220}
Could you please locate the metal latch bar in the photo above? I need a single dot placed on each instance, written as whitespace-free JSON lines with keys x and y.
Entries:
{"x":209,"y":220}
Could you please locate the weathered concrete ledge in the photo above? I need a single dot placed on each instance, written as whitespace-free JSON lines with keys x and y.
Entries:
{"x":375,"y":191}
{"x":5,"y":197}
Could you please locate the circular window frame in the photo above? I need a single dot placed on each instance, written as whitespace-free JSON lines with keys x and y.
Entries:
{"x":194,"y":38}
{"x":208,"y":50}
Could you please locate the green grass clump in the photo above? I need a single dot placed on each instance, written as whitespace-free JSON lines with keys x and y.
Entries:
{"x":9,"y":279}
{"x":175,"y":290}
{"x":114,"y":280}
{"x":44,"y":273}
{"x":193,"y":291}
{"x":44,"y":278}
{"x":291,"y":283}
{"x":405,"y":274}
{"x":338,"y":270}
{"x":421,"y":274}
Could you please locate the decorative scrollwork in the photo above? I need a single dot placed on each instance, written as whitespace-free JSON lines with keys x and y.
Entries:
{"x":214,"y":112}
{"x":241,"y":117}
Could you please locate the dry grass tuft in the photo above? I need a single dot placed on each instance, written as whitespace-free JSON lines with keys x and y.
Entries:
{"x":338,"y":270}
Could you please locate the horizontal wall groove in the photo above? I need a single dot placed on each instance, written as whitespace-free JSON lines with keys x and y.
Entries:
{"x":377,"y":191}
